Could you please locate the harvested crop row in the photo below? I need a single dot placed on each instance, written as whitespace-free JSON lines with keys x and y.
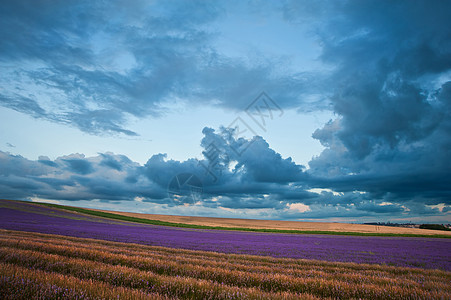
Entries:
{"x":187,"y":286}
{"x":247,"y":276}
{"x":21,"y":283}
{"x":179,"y":287}
{"x":339,"y":281}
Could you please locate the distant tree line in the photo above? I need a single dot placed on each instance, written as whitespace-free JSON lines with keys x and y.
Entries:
{"x":434,"y":227}
{"x":411,"y":225}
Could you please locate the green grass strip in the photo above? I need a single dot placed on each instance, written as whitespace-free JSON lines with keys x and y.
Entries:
{"x":183,"y":225}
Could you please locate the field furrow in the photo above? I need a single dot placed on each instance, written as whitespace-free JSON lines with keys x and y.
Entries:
{"x":18,"y":282}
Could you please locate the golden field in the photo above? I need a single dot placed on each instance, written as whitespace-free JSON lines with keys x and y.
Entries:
{"x":281,"y":225}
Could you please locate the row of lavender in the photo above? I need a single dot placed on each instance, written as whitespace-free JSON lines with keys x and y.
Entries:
{"x":431,"y":253}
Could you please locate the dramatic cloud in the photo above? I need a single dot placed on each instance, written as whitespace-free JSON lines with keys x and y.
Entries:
{"x":257,"y":182}
{"x":383,"y":68}
{"x":391,"y":94}
{"x":93,"y":64}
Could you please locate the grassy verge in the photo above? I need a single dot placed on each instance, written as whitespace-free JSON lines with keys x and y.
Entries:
{"x":183,"y":225}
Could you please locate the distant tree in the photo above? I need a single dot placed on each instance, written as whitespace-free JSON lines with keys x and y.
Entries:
{"x":434,"y":227}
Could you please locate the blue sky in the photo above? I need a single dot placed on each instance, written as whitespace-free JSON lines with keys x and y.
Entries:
{"x":295,"y":110}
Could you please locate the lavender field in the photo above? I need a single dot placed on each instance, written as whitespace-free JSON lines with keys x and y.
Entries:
{"x":52,"y":253}
{"x":430,"y":253}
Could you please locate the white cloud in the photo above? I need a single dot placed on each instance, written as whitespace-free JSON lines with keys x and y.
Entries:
{"x":299,"y":207}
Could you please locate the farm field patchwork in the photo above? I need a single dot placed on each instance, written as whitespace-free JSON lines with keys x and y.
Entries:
{"x":399,"y":251}
{"x":283,"y":225}
{"x":46,"y":250}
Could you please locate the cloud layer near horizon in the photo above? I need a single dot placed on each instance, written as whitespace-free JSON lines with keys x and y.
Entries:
{"x":257,"y":181}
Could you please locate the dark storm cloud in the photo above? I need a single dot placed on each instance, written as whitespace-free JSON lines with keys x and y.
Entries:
{"x":46,"y":161}
{"x":114,"y":161}
{"x":161,"y":171}
{"x":79,"y":166}
{"x":16,"y":165}
{"x":391,"y":92}
{"x":254,"y":158}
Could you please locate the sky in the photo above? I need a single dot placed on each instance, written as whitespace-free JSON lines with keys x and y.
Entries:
{"x":334,"y":111}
